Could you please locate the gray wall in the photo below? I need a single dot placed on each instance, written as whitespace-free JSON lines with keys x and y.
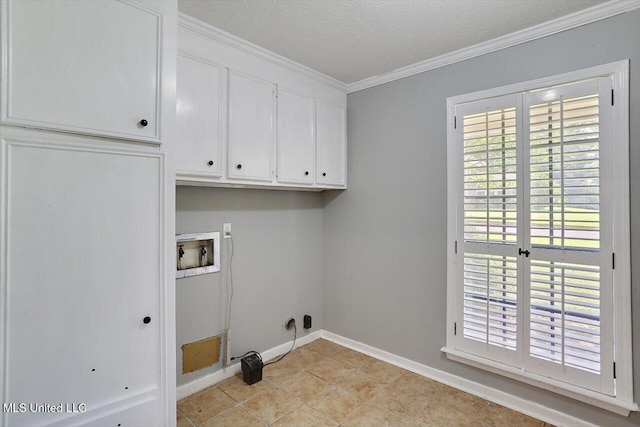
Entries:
{"x":385,"y":237}
{"x":277,"y":268}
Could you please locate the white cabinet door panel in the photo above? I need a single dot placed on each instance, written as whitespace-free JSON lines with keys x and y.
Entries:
{"x":200,"y":108}
{"x":295,"y":138}
{"x":84,"y":257}
{"x":251,"y":128}
{"x":142,"y":411}
{"x":84,"y":66}
{"x":330,"y":144}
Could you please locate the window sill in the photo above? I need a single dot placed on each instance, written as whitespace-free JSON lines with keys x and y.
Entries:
{"x":608,"y":403}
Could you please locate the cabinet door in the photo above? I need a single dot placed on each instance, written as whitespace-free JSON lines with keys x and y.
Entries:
{"x":295,"y":138}
{"x":199,"y":117}
{"x":330,"y":144}
{"x":251,"y":128}
{"x":84,"y":251}
{"x":83,"y":66}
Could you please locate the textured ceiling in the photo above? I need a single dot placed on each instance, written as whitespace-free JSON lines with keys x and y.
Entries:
{"x":354,"y":39}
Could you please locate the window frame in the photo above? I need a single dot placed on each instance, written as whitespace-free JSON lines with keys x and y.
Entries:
{"x":623,"y":401}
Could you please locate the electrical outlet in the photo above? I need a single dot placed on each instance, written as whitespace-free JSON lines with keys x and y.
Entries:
{"x":307,"y":321}
{"x":226,"y":230}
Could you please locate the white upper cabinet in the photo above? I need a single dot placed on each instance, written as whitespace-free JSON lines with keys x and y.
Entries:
{"x":330,"y":144}
{"x":251,"y":128}
{"x":254,"y":116}
{"x":200,"y":109}
{"x":295,"y":138}
{"x":88,"y":67}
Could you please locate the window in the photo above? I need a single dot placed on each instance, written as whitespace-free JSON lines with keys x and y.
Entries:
{"x":539,"y":273}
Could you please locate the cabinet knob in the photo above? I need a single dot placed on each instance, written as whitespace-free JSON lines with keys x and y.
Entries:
{"x":210,"y":162}
{"x":239,"y":166}
{"x":146,"y":320}
{"x":306,"y":173}
{"x":324,"y":174}
{"x":143,"y":122}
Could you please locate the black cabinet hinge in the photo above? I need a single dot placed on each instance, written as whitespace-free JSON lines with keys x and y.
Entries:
{"x":455,"y":122}
{"x":613,"y":261}
{"x":614,"y":370}
{"x":455,"y":328}
{"x":456,"y":246}
{"x":611,"y":96}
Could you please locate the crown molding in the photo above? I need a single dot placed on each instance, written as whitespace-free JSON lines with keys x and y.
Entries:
{"x":564,"y":23}
{"x":207,"y":30}
{"x":577,"y":19}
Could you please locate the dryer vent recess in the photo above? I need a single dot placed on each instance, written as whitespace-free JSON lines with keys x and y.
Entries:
{"x":290,"y":323}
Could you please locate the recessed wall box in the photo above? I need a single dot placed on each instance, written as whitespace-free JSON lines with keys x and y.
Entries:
{"x":197,"y":253}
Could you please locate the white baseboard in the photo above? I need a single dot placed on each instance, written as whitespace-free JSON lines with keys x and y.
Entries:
{"x":527,"y":407}
{"x":214,"y":378}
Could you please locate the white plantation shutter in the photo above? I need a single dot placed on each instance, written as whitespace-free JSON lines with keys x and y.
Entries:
{"x":569,"y":270}
{"x":489,"y":295}
{"x":565,"y":172}
{"x":565,"y":314}
{"x":490,"y":300}
{"x":534,"y":235}
{"x":490,"y":176}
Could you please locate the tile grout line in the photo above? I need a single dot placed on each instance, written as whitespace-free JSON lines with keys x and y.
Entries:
{"x":253,"y":413}
{"x":284,"y":391}
{"x":332,"y":356}
{"x":185,"y":415}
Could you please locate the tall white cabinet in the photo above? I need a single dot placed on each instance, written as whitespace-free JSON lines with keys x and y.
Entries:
{"x":87,"y":209}
{"x":85,"y":268}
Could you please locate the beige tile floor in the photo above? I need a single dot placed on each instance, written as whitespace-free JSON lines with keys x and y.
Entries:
{"x":324,"y":384}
